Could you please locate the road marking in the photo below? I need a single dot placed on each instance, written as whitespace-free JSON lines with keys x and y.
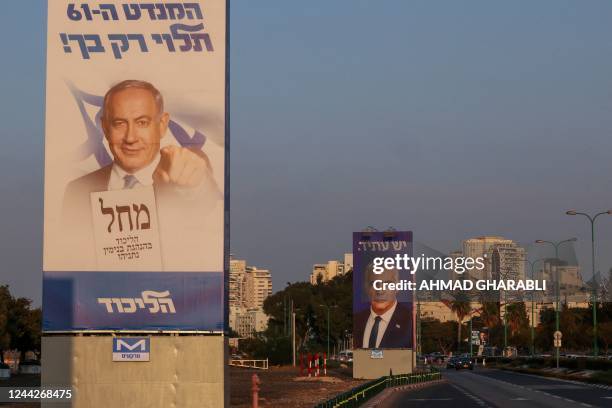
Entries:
{"x":576,"y":382}
{"x":558,"y":387}
{"x":520,"y":399}
{"x":532,"y":389}
{"x":430,"y":399}
{"x":474,"y":398}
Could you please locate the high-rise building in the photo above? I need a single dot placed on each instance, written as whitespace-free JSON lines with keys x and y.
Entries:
{"x":348,"y":262}
{"x":318,"y":274}
{"x":237,"y":277}
{"x":571,"y":284}
{"x":334,"y":268}
{"x":506,"y":261}
{"x":248,"y":289}
{"x":508,"y":257}
{"x":258,"y":287}
{"x":331,"y":269}
{"x":250,"y":322}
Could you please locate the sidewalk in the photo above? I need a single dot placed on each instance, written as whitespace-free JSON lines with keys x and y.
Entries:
{"x":282,"y":386}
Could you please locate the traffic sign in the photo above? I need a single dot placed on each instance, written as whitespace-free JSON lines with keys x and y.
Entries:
{"x":557,"y":343}
{"x":557,"y":335}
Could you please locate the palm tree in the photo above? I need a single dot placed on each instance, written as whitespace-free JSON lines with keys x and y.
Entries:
{"x":462,"y":308}
{"x":490,"y":314}
{"x":517,"y":317}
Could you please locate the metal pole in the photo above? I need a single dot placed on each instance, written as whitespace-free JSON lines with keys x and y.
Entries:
{"x":532,"y":266}
{"x":532,"y":322}
{"x":557,"y":286}
{"x":594,"y":294}
{"x":532,"y":315}
{"x":595,"y":350}
{"x":470,"y":336}
{"x":293,"y":332}
{"x":558,"y":294}
{"x":505,"y":322}
{"x":419,"y":345}
{"x":328,"y":330}
{"x":255,"y":391}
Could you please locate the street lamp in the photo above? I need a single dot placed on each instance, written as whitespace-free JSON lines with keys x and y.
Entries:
{"x":328,"y":307}
{"x":472,"y":311}
{"x":592,"y":220}
{"x":556,"y":246}
{"x":532,"y":265}
{"x":418,"y":325}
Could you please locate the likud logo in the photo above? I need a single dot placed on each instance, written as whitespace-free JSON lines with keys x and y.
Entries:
{"x":154,"y":302}
{"x":131,"y":348}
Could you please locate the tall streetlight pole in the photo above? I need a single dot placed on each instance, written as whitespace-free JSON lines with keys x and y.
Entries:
{"x":592,"y":220}
{"x":470,"y":335}
{"x":532,"y":265}
{"x":472,"y":311}
{"x":505,"y":322}
{"x":418,"y":325}
{"x":557,"y":289}
{"x":328,"y":307}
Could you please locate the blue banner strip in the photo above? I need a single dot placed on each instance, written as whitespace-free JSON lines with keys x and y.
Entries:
{"x":78,"y":301}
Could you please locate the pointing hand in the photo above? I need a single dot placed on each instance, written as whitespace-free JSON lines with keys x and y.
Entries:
{"x":182,"y":167}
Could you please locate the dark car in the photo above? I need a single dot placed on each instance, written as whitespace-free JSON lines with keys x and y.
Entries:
{"x":436,"y":358}
{"x":451,"y":362}
{"x":464,"y":362}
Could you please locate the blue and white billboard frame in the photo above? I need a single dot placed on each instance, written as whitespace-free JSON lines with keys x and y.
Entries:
{"x":136,"y":167}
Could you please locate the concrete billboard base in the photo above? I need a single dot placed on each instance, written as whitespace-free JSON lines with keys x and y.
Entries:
{"x":400,"y":361}
{"x":183,"y":372}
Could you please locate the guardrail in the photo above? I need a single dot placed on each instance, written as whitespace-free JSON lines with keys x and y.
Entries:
{"x":364,"y":392}
{"x":259,"y":364}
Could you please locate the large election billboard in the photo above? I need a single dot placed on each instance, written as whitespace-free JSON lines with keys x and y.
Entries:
{"x":135,"y":166}
{"x":383,"y":315}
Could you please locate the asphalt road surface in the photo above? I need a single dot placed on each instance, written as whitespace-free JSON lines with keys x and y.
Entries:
{"x":496,"y":388}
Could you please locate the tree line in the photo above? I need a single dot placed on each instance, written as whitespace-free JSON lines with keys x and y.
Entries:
{"x":20,"y":324}
{"x":311,"y":303}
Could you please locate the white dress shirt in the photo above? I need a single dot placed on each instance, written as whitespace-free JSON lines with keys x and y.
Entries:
{"x":382,"y":326}
{"x":144,"y":175}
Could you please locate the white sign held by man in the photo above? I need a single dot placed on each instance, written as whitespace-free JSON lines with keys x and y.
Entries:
{"x":126,"y":230}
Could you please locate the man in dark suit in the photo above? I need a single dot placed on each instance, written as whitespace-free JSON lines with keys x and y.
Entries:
{"x":386,"y":323}
{"x":134,"y":122}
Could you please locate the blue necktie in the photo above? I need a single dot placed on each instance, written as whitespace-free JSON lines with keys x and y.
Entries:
{"x":129,"y":181}
{"x":374,"y":332}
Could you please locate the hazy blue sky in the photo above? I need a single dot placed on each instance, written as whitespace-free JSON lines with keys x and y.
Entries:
{"x":452,"y":119}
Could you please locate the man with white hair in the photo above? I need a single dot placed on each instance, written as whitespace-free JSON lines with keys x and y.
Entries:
{"x":386,"y":323}
{"x":134,"y":122}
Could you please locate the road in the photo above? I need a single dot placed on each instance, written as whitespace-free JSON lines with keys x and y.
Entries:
{"x":496,"y":388}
